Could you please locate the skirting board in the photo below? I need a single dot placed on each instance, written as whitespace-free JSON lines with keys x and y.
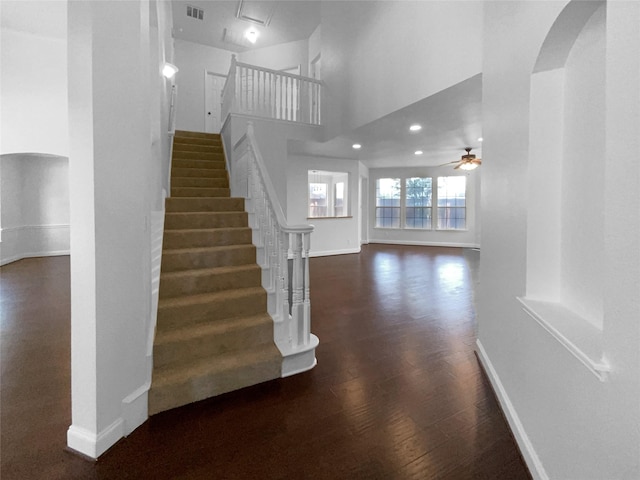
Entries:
{"x":425,"y":244}
{"x":91,"y":444}
{"x":15,"y":258}
{"x":327,"y":253}
{"x":528,"y":452}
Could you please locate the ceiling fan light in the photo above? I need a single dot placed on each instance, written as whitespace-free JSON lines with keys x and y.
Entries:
{"x":469,"y":166}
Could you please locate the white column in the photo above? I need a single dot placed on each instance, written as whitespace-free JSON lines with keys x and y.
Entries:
{"x":109,"y":164}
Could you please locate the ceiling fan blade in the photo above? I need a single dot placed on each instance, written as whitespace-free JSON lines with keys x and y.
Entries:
{"x":448,"y":163}
{"x":458,"y":166}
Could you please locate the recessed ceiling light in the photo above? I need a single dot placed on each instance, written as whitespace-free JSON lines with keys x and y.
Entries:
{"x":356,"y":146}
{"x":419,"y":152}
{"x":415,"y":127}
{"x":479,"y":139}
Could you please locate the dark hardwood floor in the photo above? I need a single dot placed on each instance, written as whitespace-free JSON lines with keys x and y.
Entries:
{"x":397,"y":393}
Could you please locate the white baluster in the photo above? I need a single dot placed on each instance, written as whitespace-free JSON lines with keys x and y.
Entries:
{"x":307,"y":301}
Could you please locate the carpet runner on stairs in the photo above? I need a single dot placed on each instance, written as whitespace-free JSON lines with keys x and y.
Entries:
{"x":213,"y":333}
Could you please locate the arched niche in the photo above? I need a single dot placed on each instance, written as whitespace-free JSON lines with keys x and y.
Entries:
{"x":565,"y":218}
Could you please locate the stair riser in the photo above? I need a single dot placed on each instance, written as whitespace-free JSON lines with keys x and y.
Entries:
{"x":179,"y":182}
{"x":191,"y":192}
{"x":180,"y":316}
{"x":195,"y":283}
{"x":198,"y":172}
{"x":205,"y":164}
{"x":188,"y":134}
{"x":214,"y":142}
{"x":214,"y":157}
{"x":176,"y":353}
{"x":177,"y":221}
{"x":177,"y":204}
{"x":173,"y":262}
{"x":199,"y":388}
{"x":178,"y":147}
{"x":210,"y":238}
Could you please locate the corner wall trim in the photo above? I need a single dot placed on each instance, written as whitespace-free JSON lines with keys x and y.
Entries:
{"x":528,"y":452}
{"x":91,"y":444}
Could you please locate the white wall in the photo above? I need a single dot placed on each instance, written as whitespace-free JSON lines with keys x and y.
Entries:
{"x":35,"y":206}
{"x":331,"y":236}
{"x":115,"y":188}
{"x":193,"y":60}
{"x":279,"y":57}
{"x":470,"y":237}
{"x":33,"y":95}
{"x":395,"y":53}
{"x":272,"y":137}
{"x":569,"y":424}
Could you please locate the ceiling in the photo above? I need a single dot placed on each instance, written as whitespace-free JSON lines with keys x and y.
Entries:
{"x":44,"y":18}
{"x":220,"y":27}
{"x":451,"y":120}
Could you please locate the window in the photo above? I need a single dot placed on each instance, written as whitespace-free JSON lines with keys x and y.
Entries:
{"x":328,"y":194}
{"x":417,"y":213}
{"x":408,"y":203}
{"x":388,"y":202}
{"x":452,"y":208}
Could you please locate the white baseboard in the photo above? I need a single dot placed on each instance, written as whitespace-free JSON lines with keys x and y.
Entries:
{"x":425,"y":244}
{"x":27,"y":241}
{"x":135,"y":408}
{"x":528,"y":452}
{"x":91,"y":444}
{"x":15,"y":258}
{"x":326,"y":253}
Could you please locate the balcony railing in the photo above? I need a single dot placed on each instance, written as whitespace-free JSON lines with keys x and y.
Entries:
{"x":267,"y":93}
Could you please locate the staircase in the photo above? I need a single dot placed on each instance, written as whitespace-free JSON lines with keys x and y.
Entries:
{"x":213,"y":332}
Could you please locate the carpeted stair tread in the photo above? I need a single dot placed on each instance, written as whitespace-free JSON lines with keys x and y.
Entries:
{"x":178,"y":312}
{"x":215,"y":338}
{"x":207,"y":280}
{"x":207,"y":257}
{"x":203,"y":237}
{"x":204,"y":367}
{"x":180,"y":140}
{"x":202,"y":379}
{"x":204,"y":204}
{"x":213,"y":191}
{"x":218,"y":328}
{"x":199,"y":172}
{"x":198,"y":163}
{"x":181,"y":220}
{"x":190,"y":134}
{"x":185,"y":147}
{"x":181,"y":182}
{"x":210,"y":156}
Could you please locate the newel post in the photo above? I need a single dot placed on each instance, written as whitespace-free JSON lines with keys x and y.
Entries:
{"x":297,"y":310}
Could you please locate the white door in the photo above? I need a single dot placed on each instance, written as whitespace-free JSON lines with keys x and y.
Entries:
{"x":213,"y":85}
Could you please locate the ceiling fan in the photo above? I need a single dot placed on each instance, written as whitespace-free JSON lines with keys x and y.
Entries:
{"x":466,"y":162}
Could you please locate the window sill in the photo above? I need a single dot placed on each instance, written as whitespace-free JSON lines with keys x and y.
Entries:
{"x":329,"y":218}
{"x":422,"y":229}
{"x":576,"y":334}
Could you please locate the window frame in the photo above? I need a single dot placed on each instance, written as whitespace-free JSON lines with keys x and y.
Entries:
{"x":434,"y":207}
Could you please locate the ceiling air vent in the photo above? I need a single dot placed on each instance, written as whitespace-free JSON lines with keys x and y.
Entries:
{"x":195,"y":12}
